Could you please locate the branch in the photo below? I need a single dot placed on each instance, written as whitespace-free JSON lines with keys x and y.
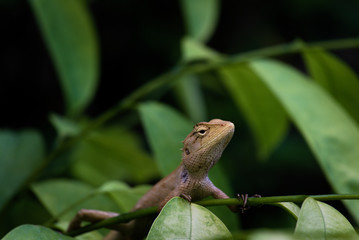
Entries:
{"x":122,"y":218}
{"x":251,"y":202}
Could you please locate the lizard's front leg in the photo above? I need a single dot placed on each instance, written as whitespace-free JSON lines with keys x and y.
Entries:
{"x":219,"y":194}
{"x":89,"y":215}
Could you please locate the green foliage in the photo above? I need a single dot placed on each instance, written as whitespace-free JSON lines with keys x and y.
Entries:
{"x":165,"y":130}
{"x":329,"y":131}
{"x":321,"y":221}
{"x":262,"y":110}
{"x":32,"y":232}
{"x":330,"y":72}
{"x":191,"y":222}
{"x":20,"y":155}
{"x":200,"y":18}
{"x":69,"y":33}
{"x":136,"y":165}
{"x":91,"y":163}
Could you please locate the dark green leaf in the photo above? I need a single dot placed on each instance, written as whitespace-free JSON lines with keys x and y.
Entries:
{"x":64,"y":127}
{"x":190,"y":95}
{"x":329,"y":131}
{"x":290,"y":207}
{"x":189,"y":90}
{"x":318,"y":220}
{"x":69,"y":33}
{"x":195,"y":50}
{"x":63,"y":198}
{"x":182,"y":220}
{"x":112,"y":153}
{"x":336,"y":76}
{"x":200,"y":18}
{"x":165,"y":129}
{"x":32,"y":232}
{"x":124,"y":196}
{"x":264,"y":114}
{"x":20,"y":156}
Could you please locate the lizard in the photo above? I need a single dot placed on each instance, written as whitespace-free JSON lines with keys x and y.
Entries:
{"x":202,"y":148}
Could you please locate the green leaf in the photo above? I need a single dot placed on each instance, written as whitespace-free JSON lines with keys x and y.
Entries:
{"x":64,"y":126}
{"x":189,"y":90}
{"x":200,"y":17}
{"x":69,"y":33}
{"x":112,"y":153}
{"x":165,"y":129}
{"x":329,"y":131}
{"x":182,"y":220}
{"x":318,"y":220}
{"x":20,"y":156}
{"x":124,"y":196}
{"x":64,"y":198}
{"x":189,"y":93}
{"x":336,"y":76}
{"x":195,"y":50}
{"x":32,"y":232}
{"x":290,"y":207}
{"x":265,"y":234}
{"x":263,"y":112}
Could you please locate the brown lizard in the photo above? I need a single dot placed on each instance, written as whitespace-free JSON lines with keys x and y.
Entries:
{"x":202,"y":148}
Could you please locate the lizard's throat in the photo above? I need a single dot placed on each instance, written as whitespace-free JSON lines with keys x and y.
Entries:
{"x":199,"y":164}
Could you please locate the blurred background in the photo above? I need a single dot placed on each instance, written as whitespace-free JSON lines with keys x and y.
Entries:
{"x":139,"y":40}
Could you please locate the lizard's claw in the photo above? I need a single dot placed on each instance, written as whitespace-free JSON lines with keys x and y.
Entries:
{"x":244,"y":198}
{"x":186,"y":196}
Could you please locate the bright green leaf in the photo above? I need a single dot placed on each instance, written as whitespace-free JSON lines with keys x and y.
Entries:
{"x":263,"y":112}
{"x":69,"y":33}
{"x":32,"y":232}
{"x":20,"y":156}
{"x":112,"y":153}
{"x":165,"y":129}
{"x":336,"y":76}
{"x":329,"y":131}
{"x":200,"y":17}
{"x":318,"y":220}
{"x":182,"y":220}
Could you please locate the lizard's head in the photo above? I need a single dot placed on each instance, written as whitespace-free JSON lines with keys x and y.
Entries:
{"x":204,"y":145}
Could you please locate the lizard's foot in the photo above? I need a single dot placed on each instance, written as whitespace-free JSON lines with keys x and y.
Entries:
{"x":186,"y":196}
{"x":244,"y":198}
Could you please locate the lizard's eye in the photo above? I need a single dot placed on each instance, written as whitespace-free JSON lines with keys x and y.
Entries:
{"x":202,"y":132}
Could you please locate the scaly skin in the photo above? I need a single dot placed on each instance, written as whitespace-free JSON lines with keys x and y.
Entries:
{"x":202,"y":148}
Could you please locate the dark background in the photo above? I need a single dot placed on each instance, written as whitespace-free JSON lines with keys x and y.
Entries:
{"x":139,"y":40}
